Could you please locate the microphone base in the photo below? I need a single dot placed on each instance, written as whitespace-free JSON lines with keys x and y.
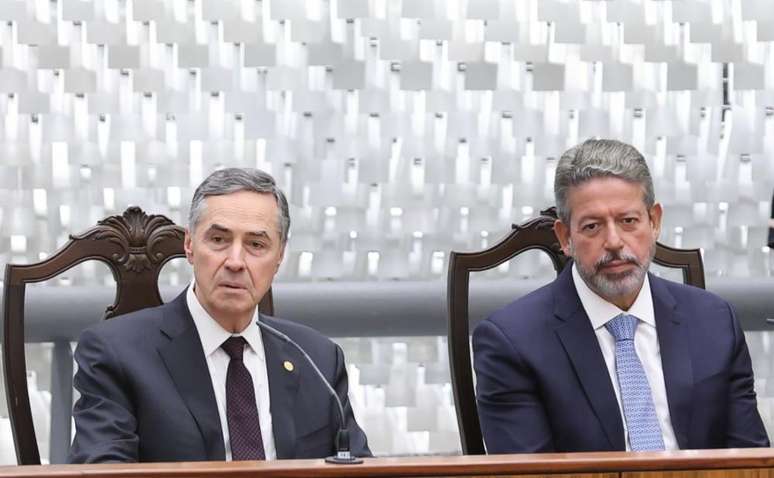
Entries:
{"x":336,"y":460}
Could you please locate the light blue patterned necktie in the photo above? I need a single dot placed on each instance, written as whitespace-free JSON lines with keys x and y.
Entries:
{"x":641,"y":420}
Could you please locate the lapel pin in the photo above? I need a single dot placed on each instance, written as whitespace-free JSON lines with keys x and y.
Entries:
{"x":288,"y":365}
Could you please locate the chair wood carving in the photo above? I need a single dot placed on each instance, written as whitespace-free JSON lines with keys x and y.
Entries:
{"x":135,"y":246}
{"x":537,"y":233}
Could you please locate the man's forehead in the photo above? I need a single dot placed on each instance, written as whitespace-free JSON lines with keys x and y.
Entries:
{"x":604,"y":208}
{"x":243,"y":201}
{"x":602,"y":192}
{"x":242,"y":195}
{"x":586,"y":205}
{"x":237,"y":224}
{"x":250,"y":211}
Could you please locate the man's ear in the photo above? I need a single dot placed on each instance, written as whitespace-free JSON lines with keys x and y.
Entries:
{"x":187,"y":246}
{"x":656,"y":213}
{"x":562,"y":232}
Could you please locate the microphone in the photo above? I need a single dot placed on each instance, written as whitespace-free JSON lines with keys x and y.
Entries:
{"x":343,"y":454}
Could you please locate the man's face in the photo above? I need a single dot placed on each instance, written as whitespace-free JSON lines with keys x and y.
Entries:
{"x":611,"y":236}
{"x":235,"y":250}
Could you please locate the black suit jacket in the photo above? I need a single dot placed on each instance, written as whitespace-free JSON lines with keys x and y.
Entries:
{"x":146,"y":392}
{"x":543,"y":385}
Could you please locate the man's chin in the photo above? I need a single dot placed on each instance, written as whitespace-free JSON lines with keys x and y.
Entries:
{"x":627,"y":275}
{"x":237,"y":299}
{"x":235,"y":308}
{"x":612,"y":286}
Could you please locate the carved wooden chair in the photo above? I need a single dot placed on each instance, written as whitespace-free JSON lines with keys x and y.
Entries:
{"x":537,"y":234}
{"x":135,"y":246}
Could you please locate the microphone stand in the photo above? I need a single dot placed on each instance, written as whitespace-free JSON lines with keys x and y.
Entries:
{"x":343,"y":454}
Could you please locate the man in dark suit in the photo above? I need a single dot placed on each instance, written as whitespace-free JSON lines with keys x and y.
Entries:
{"x":198,"y":378}
{"x":608,"y":356}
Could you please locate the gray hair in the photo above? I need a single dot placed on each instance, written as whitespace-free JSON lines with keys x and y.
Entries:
{"x":600,"y":158}
{"x":231,"y":180}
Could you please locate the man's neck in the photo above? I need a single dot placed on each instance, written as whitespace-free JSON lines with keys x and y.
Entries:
{"x":233,"y":325}
{"x":623,"y":303}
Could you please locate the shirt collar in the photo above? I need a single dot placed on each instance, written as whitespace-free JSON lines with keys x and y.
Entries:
{"x":211,"y":334}
{"x":601,"y":311}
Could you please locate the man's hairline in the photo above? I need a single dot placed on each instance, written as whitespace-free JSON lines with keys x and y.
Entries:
{"x":587,"y":180}
{"x":192,"y":227}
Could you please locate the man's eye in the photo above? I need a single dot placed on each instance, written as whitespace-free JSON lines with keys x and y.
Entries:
{"x":256,"y":245}
{"x":589,"y":227}
{"x":630,"y":220}
{"x":216,"y":239}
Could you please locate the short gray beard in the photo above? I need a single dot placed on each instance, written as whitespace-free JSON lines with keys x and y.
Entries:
{"x":613,"y":286}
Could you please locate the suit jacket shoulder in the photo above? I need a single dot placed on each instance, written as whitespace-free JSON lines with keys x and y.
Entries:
{"x":541,"y":299}
{"x":686,"y":297}
{"x":323,"y":351}
{"x":534,"y":317}
{"x":144,"y":324}
{"x":298,"y":332}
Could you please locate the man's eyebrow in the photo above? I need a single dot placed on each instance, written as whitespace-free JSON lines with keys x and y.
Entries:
{"x":589,"y":217}
{"x":218,"y":228}
{"x":259,"y":234}
{"x":597,"y":216}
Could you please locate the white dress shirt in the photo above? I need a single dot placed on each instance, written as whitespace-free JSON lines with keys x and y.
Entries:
{"x":212,"y":336}
{"x":601,"y":312}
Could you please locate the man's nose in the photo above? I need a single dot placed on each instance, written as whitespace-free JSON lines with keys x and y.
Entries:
{"x":235,"y":260}
{"x":613,"y":239}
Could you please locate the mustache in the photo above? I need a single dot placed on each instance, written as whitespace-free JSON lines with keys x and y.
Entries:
{"x":622,"y":256}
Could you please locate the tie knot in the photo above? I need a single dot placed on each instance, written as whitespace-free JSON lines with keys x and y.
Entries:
{"x":622,"y":327}
{"x":234,"y":347}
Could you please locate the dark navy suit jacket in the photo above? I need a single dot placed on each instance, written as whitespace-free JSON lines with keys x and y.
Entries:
{"x":146,"y":392}
{"x":543,"y":386}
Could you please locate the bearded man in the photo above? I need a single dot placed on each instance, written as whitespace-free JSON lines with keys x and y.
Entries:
{"x":608,"y":356}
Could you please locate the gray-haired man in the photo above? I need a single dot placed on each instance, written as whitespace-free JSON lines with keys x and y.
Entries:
{"x":607,"y":356}
{"x":196,"y":379}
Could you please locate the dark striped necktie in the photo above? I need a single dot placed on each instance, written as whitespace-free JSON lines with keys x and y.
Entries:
{"x":244,"y":427}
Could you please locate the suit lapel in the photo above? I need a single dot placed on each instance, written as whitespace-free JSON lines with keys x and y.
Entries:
{"x":283,"y":390}
{"x":184,"y":358}
{"x":673,"y":341}
{"x":582,"y":347}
